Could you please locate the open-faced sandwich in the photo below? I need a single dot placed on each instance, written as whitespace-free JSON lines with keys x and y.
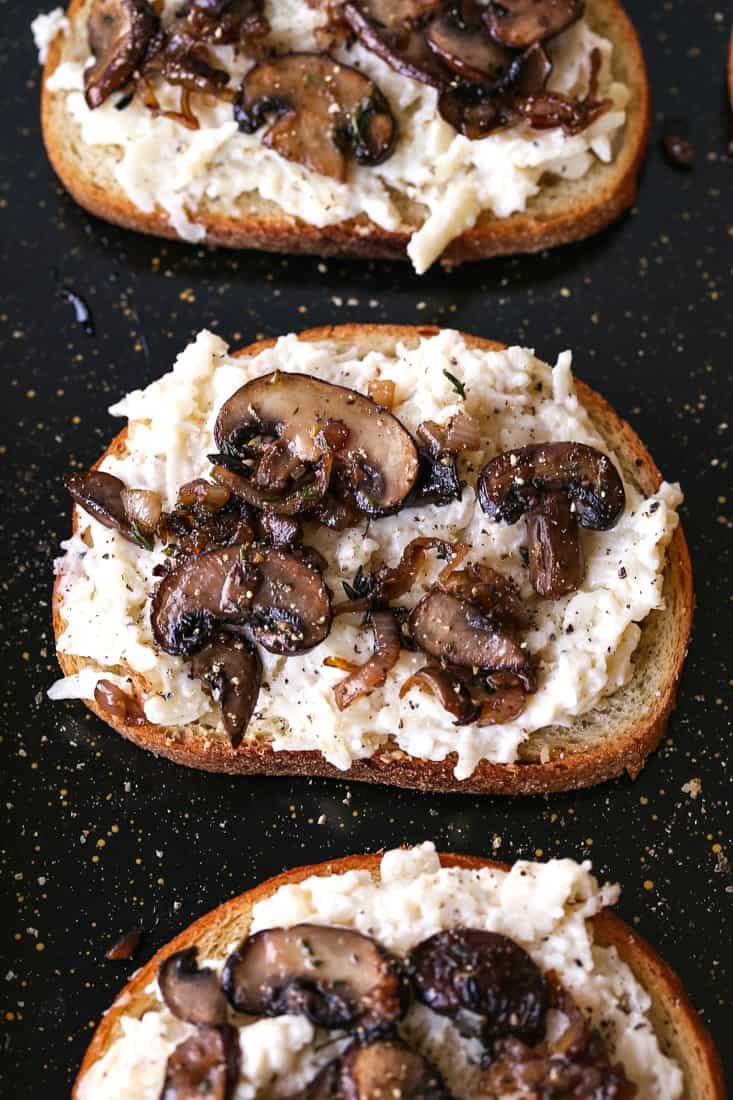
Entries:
{"x":379,"y":552}
{"x":435,"y":128}
{"x":407,"y":977}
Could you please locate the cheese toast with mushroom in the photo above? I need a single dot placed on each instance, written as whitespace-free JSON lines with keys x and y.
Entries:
{"x":349,"y":979}
{"x":380,"y":553}
{"x":433,"y":129}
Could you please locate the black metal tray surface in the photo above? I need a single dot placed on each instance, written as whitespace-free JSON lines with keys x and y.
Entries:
{"x":99,"y":836}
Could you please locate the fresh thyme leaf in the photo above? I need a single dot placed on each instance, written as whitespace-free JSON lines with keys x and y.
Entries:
{"x":456,"y":384}
{"x":140,"y":538}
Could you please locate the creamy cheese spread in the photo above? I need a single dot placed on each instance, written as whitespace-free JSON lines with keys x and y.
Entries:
{"x":583,"y":643}
{"x":545,"y":907}
{"x":160,"y":164}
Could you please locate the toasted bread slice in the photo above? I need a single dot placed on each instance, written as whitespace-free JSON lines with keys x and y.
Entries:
{"x":563,"y":211}
{"x":616,"y":736}
{"x":680,"y":1032}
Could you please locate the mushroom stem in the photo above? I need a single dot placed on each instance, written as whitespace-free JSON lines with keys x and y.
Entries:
{"x":231,"y":670}
{"x":556,"y":564}
{"x":458,"y":632}
{"x":192,"y":994}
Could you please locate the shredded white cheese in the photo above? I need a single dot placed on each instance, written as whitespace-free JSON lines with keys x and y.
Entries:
{"x":161,"y":164}
{"x":44,"y":29}
{"x":543,"y":906}
{"x":583,"y":643}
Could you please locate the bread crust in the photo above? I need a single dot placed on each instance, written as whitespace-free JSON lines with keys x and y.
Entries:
{"x":565,"y":213}
{"x":571,"y":767}
{"x":681,"y":1033}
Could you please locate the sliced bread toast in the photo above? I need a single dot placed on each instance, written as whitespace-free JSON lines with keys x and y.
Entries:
{"x":615,"y":737}
{"x":680,"y":1032}
{"x":564,"y":210}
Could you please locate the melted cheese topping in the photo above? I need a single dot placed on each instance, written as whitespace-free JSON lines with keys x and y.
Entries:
{"x":543,"y":906}
{"x":583,"y":643}
{"x":160,"y":164}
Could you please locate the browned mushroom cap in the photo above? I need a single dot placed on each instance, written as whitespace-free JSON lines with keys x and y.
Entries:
{"x":119,"y":33}
{"x":458,"y":632}
{"x":278,"y":600}
{"x":495,"y":593}
{"x":335,"y":977}
{"x":395,"y":32}
{"x":520,"y":23}
{"x":231,"y":670}
{"x":323,"y":110}
{"x":314,"y":427}
{"x":291,"y":612}
{"x":100,"y":495}
{"x":132,"y":512}
{"x":459,"y":38}
{"x":476,"y":110}
{"x":206,"y":1064}
{"x":560,"y":485}
{"x":214,"y":587}
{"x":225,"y":21}
{"x":512,"y":483}
{"x":486,"y":982}
{"x":192,"y":994}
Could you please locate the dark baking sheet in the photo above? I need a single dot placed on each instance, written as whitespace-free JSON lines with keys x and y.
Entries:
{"x":100,"y":836}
